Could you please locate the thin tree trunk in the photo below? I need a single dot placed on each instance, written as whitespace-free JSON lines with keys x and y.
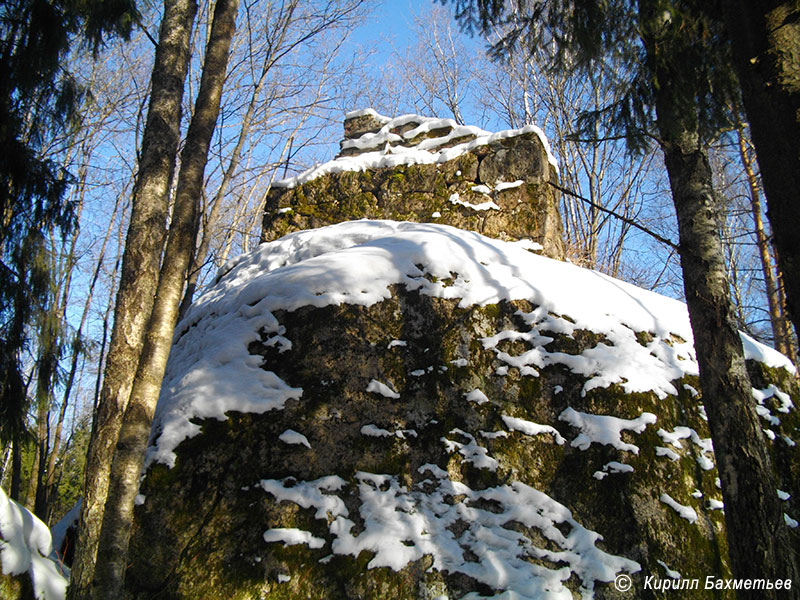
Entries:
{"x":6,"y":461}
{"x":129,"y":456}
{"x":199,"y":259}
{"x":16,"y":469}
{"x":765,"y":36}
{"x":50,"y":354}
{"x":758,"y":541}
{"x":38,"y":462}
{"x":101,"y":355}
{"x":46,"y":374}
{"x":76,"y":346}
{"x":784,"y":311}
{"x":780,"y":326}
{"x":140,"y":267}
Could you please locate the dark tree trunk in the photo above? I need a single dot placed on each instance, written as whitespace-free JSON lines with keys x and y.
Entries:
{"x":765,"y":36}
{"x":130,"y":452}
{"x":39,"y":493}
{"x":32,"y":495}
{"x":758,"y":540}
{"x":140,"y":266}
{"x":781,"y":326}
{"x":50,"y":482}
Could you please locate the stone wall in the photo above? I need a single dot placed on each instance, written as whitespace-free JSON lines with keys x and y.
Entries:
{"x":419,"y":169}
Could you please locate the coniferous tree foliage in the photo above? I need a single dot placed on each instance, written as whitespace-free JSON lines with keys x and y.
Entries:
{"x":38,"y":100}
{"x":605,"y":39}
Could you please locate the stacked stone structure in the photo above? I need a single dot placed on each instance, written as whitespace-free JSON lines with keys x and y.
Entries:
{"x":420,"y":169}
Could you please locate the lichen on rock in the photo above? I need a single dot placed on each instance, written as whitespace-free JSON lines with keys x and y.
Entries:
{"x":450,"y":400}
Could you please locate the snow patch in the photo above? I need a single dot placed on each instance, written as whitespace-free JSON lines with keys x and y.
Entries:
{"x":290,"y":436}
{"x":376,"y":387}
{"x":674,"y":438}
{"x":363,"y":112}
{"x":604,"y":429}
{"x":375,"y":431}
{"x":501,"y":186}
{"x":309,"y":494}
{"x":670,"y":454}
{"x":670,"y":572}
{"x":488,"y":205}
{"x":26,"y":546}
{"x":531,"y":428}
{"x":754,"y":350}
{"x":685,"y":512}
{"x":476,"y":396}
{"x":471,"y":451}
{"x":293,"y":537}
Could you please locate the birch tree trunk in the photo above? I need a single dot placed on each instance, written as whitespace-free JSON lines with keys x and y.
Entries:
{"x":129,"y":455}
{"x":140,"y":265}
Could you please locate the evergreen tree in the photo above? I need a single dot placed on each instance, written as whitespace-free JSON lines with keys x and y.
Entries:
{"x":38,"y":99}
{"x":677,"y":84}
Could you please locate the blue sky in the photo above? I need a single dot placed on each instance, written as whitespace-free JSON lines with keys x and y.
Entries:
{"x":390,"y":24}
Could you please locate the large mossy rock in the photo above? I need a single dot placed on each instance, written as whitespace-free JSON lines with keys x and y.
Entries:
{"x":420,"y":169}
{"x":431,"y":423}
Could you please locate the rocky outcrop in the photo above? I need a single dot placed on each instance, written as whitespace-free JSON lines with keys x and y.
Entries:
{"x":413,"y":168}
{"x":392,"y":410}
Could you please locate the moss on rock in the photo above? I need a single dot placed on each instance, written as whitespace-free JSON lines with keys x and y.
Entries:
{"x":423,"y":193}
{"x":199,"y":533}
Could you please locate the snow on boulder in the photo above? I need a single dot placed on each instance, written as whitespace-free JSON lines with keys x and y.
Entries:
{"x":26,"y":556}
{"x":511,"y":446}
